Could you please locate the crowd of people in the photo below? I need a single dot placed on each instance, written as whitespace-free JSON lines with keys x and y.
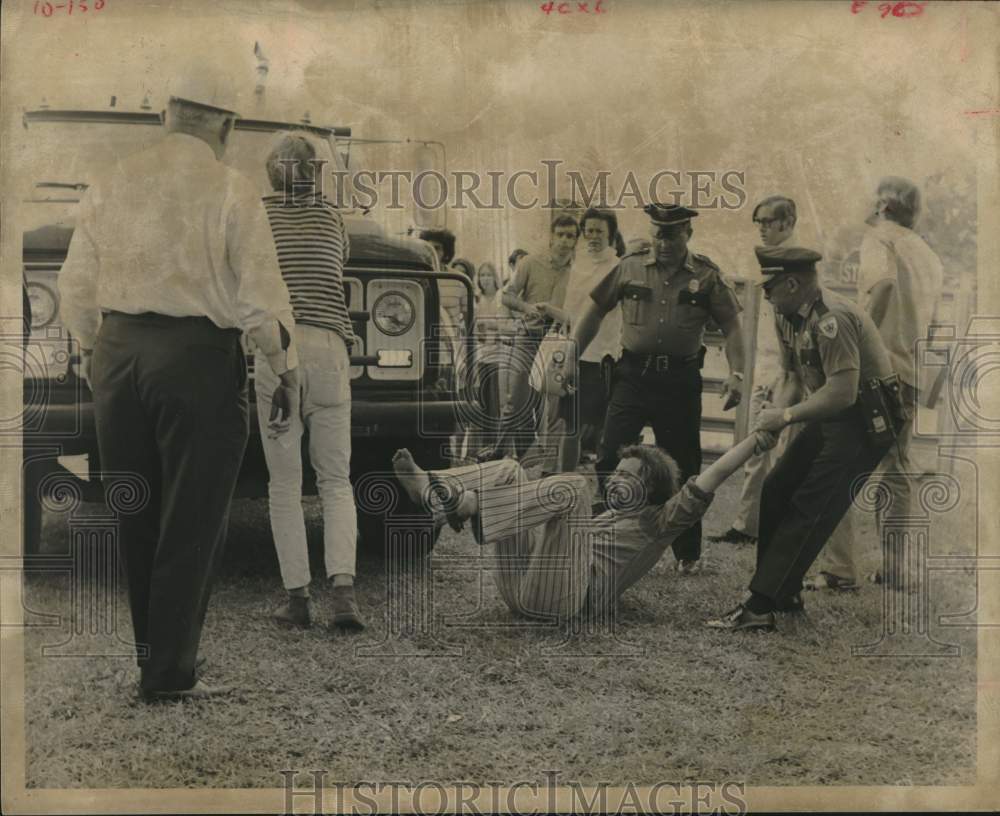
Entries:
{"x":159,"y":319}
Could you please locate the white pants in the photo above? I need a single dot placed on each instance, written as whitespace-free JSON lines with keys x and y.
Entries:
{"x":325,"y":409}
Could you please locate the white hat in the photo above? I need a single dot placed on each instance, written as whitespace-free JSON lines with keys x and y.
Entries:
{"x":206,"y":85}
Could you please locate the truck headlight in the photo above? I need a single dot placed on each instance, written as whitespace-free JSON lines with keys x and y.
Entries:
{"x":394,"y":313}
{"x":44,"y":305}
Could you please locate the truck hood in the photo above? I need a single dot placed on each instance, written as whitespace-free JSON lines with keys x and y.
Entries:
{"x":370,"y":246}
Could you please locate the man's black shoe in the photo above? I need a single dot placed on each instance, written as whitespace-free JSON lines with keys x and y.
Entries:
{"x":742,"y":619}
{"x":792,"y":605}
{"x":732,"y":536}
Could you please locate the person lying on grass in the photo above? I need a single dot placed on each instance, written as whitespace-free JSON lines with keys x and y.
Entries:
{"x":553,"y":558}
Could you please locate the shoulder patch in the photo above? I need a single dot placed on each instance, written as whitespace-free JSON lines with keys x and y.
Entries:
{"x":828,"y":326}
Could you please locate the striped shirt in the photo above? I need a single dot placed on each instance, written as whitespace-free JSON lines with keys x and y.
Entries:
{"x":313,"y":246}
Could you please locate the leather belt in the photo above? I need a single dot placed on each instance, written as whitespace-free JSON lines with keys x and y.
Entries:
{"x":661,"y":362}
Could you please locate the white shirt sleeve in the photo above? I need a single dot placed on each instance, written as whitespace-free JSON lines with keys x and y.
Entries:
{"x":876,"y":263}
{"x":78,"y":308}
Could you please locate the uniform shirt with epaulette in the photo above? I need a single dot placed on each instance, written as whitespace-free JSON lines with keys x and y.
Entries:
{"x":663,"y":313}
{"x":833,"y":334}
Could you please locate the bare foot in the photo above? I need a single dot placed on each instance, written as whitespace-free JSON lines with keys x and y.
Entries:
{"x":411,"y":476}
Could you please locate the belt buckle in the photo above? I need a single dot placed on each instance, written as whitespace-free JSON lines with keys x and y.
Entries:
{"x":662,"y":362}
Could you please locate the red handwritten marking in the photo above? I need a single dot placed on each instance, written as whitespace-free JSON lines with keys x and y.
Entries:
{"x":567,"y":8}
{"x":47,"y":9}
{"x":988,"y":112}
{"x":905,"y":8}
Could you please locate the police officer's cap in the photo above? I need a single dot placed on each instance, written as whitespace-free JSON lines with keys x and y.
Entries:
{"x":793,"y":260}
{"x":665,"y":215}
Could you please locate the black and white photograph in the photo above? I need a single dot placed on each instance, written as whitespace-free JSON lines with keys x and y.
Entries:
{"x":499,"y":406}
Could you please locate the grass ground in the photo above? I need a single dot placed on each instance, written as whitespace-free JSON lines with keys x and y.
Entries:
{"x":664,"y":699}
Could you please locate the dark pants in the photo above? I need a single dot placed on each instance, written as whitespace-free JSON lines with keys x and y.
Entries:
{"x":670,"y":401}
{"x":805,"y":496}
{"x":592,"y":392}
{"x":484,"y":397}
{"x":170,"y":402}
{"x":523,"y":412}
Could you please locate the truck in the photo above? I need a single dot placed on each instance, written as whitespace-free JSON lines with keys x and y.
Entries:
{"x":405,"y":389}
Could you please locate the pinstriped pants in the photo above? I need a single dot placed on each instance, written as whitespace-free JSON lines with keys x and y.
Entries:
{"x":540,"y":529}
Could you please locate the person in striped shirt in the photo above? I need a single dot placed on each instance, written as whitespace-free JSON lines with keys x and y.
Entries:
{"x":553,"y":559}
{"x":313,"y":246}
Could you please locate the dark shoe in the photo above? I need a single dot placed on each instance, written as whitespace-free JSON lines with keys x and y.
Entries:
{"x":199,"y":691}
{"x":827,"y":580}
{"x":741,"y":619}
{"x":791,"y":606}
{"x":346,"y":615}
{"x":732,"y":536}
{"x":685,"y":567}
{"x":294,"y":613}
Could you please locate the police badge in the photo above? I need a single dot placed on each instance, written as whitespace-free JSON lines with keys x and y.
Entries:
{"x":693,"y":286}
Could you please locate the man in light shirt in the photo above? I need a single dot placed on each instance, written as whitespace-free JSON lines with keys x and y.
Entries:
{"x":172,"y":258}
{"x":899,"y":283}
{"x":775,"y":218}
{"x":533,"y":297}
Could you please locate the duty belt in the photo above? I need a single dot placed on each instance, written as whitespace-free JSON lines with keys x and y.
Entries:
{"x":661,"y":362}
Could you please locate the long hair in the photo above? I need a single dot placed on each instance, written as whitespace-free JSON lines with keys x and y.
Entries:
{"x":444,"y":237}
{"x":899,"y":200}
{"x":608,"y":217}
{"x":660,"y":473}
{"x":467,"y":267}
{"x":486,"y":266}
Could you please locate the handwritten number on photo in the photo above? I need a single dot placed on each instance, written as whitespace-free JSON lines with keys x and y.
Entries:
{"x":48,"y":9}
{"x":576,"y":7}
{"x":906,"y":8}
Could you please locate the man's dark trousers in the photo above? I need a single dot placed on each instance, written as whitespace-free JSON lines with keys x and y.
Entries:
{"x":668,"y":400}
{"x":522,"y":413}
{"x":805,"y":496}
{"x":170,"y":404}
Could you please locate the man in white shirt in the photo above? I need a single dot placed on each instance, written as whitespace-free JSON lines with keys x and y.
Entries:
{"x":899,"y":283}
{"x":775,"y":218}
{"x":172,"y":257}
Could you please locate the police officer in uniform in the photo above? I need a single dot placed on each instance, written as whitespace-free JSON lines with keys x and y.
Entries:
{"x":849,"y":412}
{"x":668,"y":294}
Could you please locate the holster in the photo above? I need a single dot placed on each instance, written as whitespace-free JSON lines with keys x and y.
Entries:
{"x":882,"y":408}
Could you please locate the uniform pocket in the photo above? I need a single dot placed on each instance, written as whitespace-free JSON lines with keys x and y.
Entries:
{"x":635,"y":303}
